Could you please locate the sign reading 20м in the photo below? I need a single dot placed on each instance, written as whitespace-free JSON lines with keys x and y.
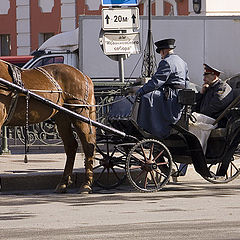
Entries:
{"x":120,"y":2}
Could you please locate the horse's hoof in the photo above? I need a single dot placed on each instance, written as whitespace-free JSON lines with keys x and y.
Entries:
{"x":61,"y":188}
{"x":85,"y":189}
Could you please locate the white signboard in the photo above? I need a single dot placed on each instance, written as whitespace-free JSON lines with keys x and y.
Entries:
{"x":125,"y":43}
{"x":121,"y":18}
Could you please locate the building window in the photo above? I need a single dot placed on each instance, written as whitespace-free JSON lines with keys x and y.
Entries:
{"x":5,"y":46}
{"x":43,"y":37}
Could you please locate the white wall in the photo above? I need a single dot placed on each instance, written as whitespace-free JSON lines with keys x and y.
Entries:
{"x":92,"y":5}
{"x":23,"y":27}
{"x":5,"y":5}
{"x":68,"y":15}
{"x":198,"y":39}
{"x":46,"y":5}
{"x":159,"y":7}
{"x":223,"y":7}
{"x":217,"y":8}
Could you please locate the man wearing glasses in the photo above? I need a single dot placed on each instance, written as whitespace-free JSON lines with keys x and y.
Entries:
{"x":215,"y":95}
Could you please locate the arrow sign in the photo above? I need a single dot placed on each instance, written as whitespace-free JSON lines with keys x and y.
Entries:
{"x":133,"y":18}
{"x":120,"y":18}
{"x":107,"y":18}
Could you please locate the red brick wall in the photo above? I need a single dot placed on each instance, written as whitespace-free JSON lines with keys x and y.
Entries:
{"x":183,"y":7}
{"x":44,"y":22}
{"x":8,"y":26}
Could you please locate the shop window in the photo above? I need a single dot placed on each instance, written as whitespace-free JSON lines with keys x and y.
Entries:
{"x":5,"y":46}
{"x":43,"y":37}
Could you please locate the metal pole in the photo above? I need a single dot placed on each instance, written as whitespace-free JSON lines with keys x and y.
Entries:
{"x":148,"y":66}
{"x":149,"y":37}
{"x":121,"y":68}
{"x":4,"y":149}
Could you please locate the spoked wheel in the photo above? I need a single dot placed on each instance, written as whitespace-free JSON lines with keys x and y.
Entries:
{"x":233,"y":170}
{"x":110,"y":170}
{"x":149,"y":165}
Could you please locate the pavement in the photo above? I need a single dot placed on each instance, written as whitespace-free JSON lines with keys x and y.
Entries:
{"x":44,"y":170}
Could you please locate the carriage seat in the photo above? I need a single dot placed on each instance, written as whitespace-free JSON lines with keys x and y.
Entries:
{"x":219,"y":137}
{"x":120,"y":115}
{"x":186,"y":97}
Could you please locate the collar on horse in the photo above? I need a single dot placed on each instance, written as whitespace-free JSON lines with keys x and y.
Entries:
{"x":16,"y":74}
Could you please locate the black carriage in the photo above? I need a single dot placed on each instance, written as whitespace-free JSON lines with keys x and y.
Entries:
{"x":147,"y":161}
{"x":125,"y":150}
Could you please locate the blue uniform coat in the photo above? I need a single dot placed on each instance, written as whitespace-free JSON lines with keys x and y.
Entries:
{"x":159,"y":107}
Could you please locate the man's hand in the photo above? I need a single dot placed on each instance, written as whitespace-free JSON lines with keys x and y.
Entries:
{"x":205,"y":86}
{"x":132,"y":90}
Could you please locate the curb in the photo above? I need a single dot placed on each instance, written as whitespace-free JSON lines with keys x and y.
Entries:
{"x":36,"y":181}
{"x":42,"y":181}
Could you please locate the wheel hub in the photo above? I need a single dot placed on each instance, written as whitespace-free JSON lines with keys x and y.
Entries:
{"x":154,"y":166}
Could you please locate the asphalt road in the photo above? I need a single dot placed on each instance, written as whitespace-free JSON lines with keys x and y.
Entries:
{"x":187,"y":210}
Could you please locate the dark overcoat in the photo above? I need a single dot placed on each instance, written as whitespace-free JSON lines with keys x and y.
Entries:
{"x":216,"y":98}
{"x":159,"y":107}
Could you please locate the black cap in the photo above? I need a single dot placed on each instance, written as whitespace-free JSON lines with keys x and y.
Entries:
{"x":165,"y":44}
{"x":212,"y":70}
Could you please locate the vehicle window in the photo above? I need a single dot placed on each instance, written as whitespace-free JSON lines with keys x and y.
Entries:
{"x":58,"y":60}
{"x":48,"y":60}
{"x":38,"y":63}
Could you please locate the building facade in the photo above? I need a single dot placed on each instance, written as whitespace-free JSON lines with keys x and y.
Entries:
{"x":26,"y":24}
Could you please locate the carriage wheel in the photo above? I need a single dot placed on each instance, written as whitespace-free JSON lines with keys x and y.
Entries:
{"x":149,"y":165}
{"x":110,"y":169}
{"x":232,"y":172}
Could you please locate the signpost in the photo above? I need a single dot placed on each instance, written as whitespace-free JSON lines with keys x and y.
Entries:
{"x":120,"y":18}
{"x":117,"y":43}
{"x":120,"y":2}
{"x":120,"y":44}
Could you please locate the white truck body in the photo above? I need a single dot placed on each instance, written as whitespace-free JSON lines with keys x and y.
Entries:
{"x":211,"y":40}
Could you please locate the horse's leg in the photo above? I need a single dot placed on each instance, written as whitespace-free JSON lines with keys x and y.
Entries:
{"x":3,"y":114}
{"x":87,"y":135}
{"x":70,"y":145}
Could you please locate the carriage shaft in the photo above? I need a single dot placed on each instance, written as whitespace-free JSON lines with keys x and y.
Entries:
{"x":60,"y":108}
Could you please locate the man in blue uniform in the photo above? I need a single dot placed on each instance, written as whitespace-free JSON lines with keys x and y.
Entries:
{"x":215,"y":95}
{"x":159,"y":107}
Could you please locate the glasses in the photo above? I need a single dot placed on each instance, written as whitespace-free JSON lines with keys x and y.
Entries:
{"x":206,"y":73}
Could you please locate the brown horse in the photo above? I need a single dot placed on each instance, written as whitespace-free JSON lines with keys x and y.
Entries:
{"x":62,"y":84}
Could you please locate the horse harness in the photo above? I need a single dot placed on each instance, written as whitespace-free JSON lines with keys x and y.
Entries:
{"x":16,"y":74}
{"x":52,"y":80}
{"x":59,"y":89}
